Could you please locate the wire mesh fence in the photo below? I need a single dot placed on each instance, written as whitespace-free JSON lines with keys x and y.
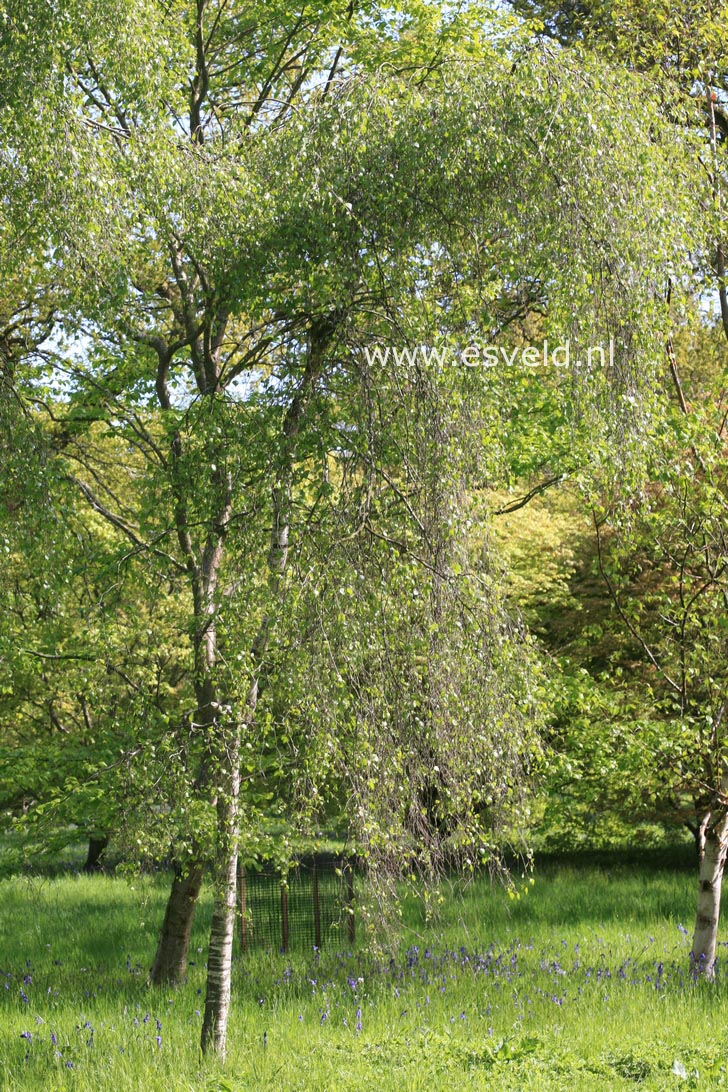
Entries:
{"x":313,"y":905}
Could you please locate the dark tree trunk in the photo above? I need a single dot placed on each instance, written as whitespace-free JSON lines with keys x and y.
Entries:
{"x":170,"y":962}
{"x":698,"y":833}
{"x":96,"y":846}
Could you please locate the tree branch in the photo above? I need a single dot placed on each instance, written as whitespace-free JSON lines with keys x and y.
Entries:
{"x":535,"y":492}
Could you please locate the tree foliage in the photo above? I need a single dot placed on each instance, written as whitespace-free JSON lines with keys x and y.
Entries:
{"x":230,"y":209}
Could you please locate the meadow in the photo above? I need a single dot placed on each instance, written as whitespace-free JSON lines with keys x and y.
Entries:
{"x":581,"y":982}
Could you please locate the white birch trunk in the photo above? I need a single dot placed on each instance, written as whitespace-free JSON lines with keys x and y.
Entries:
{"x":710,"y":883}
{"x":222,"y":928}
{"x":222,"y":931}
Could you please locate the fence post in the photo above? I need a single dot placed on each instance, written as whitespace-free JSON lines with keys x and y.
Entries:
{"x":349,"y":878}
{"x":243,"y":905}
{"x":316,"y":907}
{"x":284,"y":915}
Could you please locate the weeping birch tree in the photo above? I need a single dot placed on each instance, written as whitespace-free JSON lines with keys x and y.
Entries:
{"x":233,"y":206}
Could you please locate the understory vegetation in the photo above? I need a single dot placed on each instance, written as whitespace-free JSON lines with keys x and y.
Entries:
{"x":580,"y":979}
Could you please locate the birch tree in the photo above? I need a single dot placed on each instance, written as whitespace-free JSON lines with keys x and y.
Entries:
{"x":233,"y":210}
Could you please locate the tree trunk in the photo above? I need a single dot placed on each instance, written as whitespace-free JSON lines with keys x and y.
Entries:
{"x":697,"y":833}
{"x":715,"y":844}
{"x":222,"y":929}
{"x":96,"y":846}
{"x":170,"y":962}
{"x":219,"y":963}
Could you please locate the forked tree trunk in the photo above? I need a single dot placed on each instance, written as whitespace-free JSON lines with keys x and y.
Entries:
{"x":219,"y":964}
{"x":712,"y":864}
{"x":222,"y":928}
{"x":170,"y":962}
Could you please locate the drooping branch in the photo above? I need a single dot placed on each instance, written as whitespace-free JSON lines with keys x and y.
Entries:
{"x":121,"y":524}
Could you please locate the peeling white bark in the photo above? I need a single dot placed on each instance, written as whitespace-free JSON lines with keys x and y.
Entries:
{"x":222,"y":929}
{"x":710,"y":883}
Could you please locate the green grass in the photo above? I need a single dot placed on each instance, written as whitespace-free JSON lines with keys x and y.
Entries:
{"x":582,"y":983}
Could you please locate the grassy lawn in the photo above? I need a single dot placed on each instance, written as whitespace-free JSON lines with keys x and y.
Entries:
{"x":582,"y":983}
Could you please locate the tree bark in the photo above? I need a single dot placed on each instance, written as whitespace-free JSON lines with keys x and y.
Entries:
{"x":222,"y":929}
{"x":219,"y":966}
{"x":698,"y":835}
{"x":170,"y":962}
{"x":96,"y":846}
{"x":720,"y":251}
{"x":715,"y":845}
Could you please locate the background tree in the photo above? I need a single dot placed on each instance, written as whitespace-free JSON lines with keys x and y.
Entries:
{"x":684,"y":47}
{"x":638,"y":630}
